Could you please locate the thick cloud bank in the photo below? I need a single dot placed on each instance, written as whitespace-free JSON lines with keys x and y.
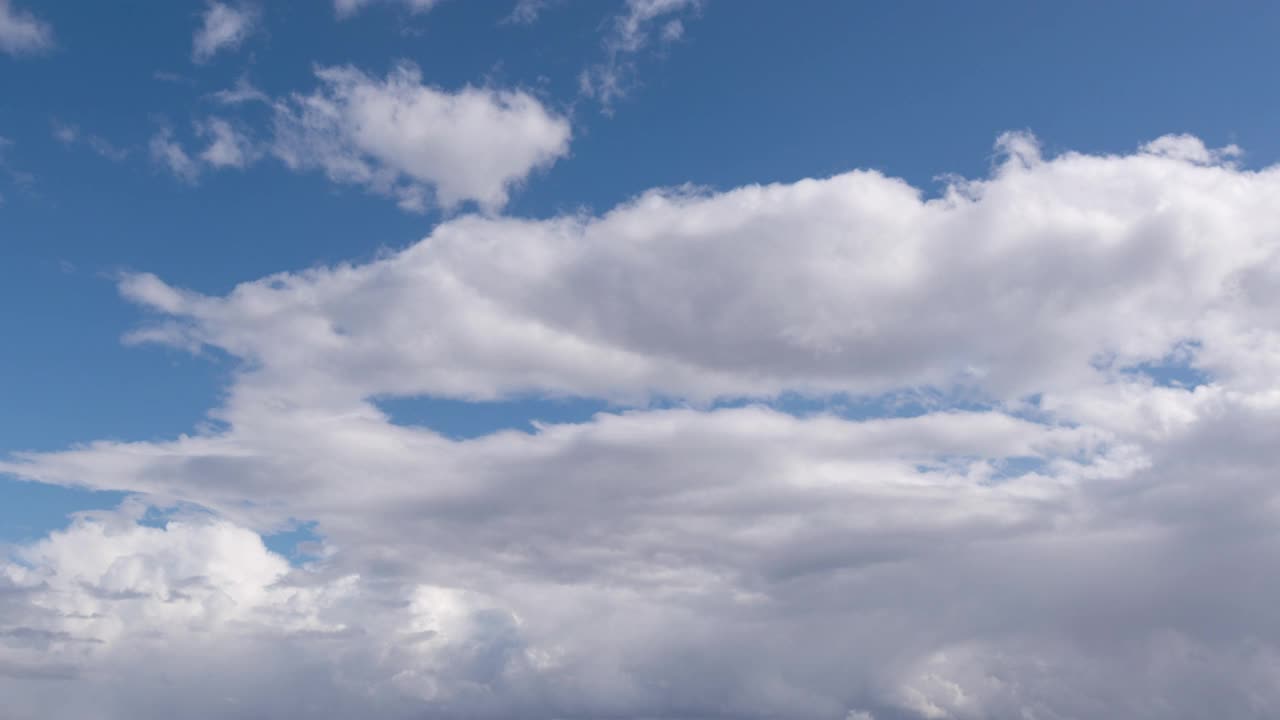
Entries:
{"x":1057,"y":498}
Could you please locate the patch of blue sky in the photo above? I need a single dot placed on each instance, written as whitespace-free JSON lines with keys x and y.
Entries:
{"x":1176,"y":369}
{"x":1017,"y":466}
{"x":1002,"y":469}
{"x":298,"y":544}
{"x":1177,"y":374}
{"x":29,"y":510}
{"x":463,"y":419}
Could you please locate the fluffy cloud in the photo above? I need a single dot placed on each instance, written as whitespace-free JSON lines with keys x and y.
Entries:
{"x":21,"y":32}
{"x":564,"y":568}
{"x":223,"y":26}
{"x":112,"y":605}
{"x":399,"y":137}
{"x":1081,"y":539}
{"x":395,"y":136}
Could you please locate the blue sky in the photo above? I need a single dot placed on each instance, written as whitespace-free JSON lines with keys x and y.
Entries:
{"x":583,"y":282}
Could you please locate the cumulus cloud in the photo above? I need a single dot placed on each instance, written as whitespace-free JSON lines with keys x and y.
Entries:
{"x":854,"y":283}
{"x":631,"y":32}
{"x":223,"y":27}
{"x":22,"y":33}
{"x":420,"y":145}
{"x":1062,"y":533}
{"x":399,"y":137}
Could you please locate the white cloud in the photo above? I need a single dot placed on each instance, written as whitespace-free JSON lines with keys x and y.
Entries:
{"x":223,"y":27}
{"x":347,"y":8}
{"x":632,"y":31}
{"x":402,"y":138}
{"x":530,"y":546}
{"x":692,"y":562}
{"x":724,"y":558}
{"x":395,"y":136}
{"x":110,"y":605}
{"x":21,"y":33}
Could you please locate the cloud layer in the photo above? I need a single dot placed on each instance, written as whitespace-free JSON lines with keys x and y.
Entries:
{"x":1062,"y":530}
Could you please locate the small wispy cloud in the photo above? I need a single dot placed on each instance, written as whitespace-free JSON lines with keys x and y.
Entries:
{"x":526,"y":12}
{"x":400,"y":137}
{"x":347,"y":8}
{"x":631,"y":32}
{"x":242,"y":92}
{"x":172,"y":77}
{"x":22,"y":33}
{"x":223,"y":26}
{"x":169,"y":154}
{"x":227,"y":147}
{"x":19,"y":178}
{"x":70,"y":134}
